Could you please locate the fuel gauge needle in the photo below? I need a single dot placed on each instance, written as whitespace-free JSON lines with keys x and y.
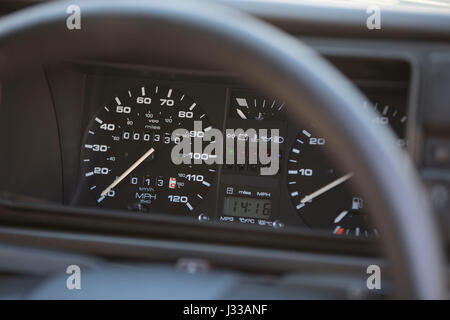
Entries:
{"x":123,"y":175}
{"x":326,"y":188}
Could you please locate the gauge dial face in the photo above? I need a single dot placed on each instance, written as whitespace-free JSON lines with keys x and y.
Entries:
{"x":392,"y":117}
{"x":320,"y":193}
{"x":126,"y":155}
{"x":247,"y":105}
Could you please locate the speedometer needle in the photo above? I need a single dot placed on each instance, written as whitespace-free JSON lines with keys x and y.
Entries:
{"x":127,"y":172}
{"x":326,"y":188}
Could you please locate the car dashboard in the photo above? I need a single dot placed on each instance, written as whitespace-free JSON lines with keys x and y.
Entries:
{"x":86,"y":149}
{"x":120,"y":113}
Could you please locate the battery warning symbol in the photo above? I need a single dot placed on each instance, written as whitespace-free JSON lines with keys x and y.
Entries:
{"x":172,"y":183}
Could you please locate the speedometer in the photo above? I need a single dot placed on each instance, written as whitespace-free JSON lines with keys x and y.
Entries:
{"x":126,"y":154}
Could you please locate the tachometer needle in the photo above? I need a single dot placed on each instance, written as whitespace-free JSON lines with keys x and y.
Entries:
{"x":127,"y":172}
{"x":326,"y":188}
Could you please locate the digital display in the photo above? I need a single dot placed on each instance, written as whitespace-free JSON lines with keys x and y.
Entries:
{"x":247,"y":207}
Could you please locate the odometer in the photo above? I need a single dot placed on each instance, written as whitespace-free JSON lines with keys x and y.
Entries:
{"x":126,"y":154}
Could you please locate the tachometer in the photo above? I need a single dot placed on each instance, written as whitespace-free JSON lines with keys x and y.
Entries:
{"x":126,"y":155}
{"x":321,"y":194}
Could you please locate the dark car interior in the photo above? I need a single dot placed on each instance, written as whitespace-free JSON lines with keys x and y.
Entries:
{"x":357,"y":119}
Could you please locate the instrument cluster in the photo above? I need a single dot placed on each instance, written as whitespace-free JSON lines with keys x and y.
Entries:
{"x":207,"y":151}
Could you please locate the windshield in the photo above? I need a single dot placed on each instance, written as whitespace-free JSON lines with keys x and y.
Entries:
{"x":436,"y":4}
{"x":427,"y":3}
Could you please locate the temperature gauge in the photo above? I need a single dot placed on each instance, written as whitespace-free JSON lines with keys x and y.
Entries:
{"x":247,"y":105}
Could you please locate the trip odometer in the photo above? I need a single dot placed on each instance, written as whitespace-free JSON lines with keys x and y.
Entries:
{"x":126,"y":154}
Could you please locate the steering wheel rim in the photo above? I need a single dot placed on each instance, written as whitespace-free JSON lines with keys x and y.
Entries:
{"x":312,"y":88}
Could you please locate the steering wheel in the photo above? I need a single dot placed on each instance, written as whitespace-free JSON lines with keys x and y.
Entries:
{"x":213,"y":35}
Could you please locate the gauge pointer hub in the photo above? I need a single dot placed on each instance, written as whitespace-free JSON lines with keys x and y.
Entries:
{"x":126,"y":173}
{"x":326,"y":188}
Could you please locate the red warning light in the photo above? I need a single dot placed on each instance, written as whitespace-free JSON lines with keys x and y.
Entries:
{"x":172,"y":183}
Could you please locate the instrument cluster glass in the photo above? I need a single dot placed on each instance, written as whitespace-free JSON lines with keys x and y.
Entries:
{"x":126,"y":159}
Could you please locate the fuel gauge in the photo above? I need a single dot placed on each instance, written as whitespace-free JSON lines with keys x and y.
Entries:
{"x":352,"y":221}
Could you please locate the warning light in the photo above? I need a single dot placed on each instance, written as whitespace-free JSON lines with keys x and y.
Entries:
{"x":172,"y":183}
